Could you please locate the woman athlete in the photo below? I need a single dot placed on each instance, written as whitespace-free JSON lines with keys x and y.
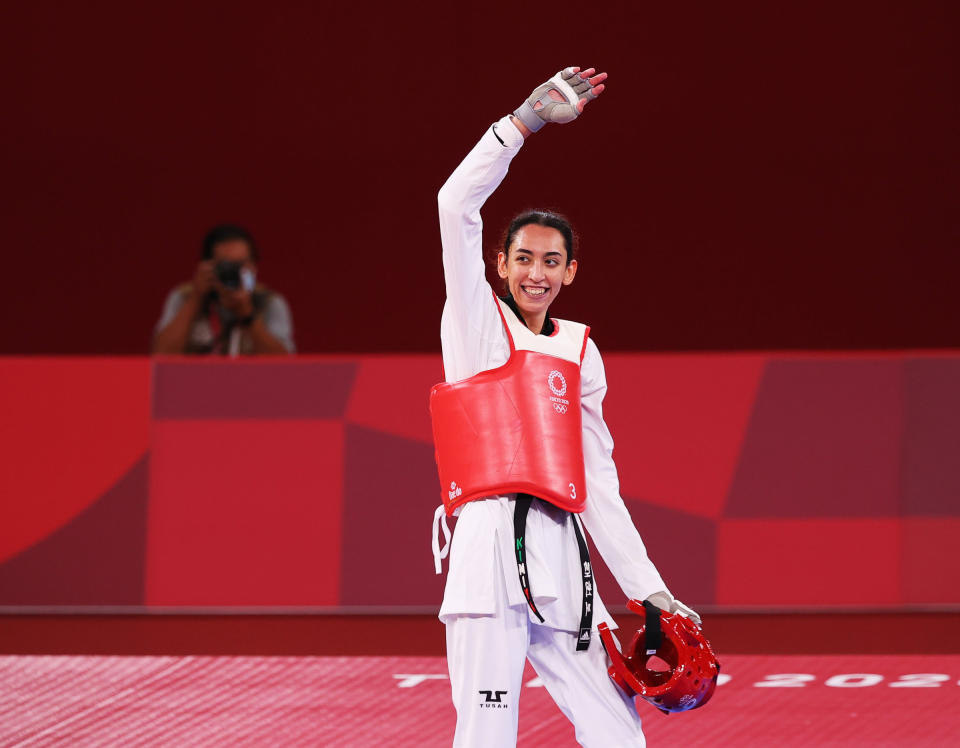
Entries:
{"x":519,"y":584}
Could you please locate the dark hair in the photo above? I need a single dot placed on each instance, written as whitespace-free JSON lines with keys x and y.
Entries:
{"x":543,"y":218}
{"x":226,"y":232}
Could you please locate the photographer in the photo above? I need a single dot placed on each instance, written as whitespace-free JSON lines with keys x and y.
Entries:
{"x":223,"y":310}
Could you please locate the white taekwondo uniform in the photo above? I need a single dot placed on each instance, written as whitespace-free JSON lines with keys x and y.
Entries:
{"x":490,"y":627}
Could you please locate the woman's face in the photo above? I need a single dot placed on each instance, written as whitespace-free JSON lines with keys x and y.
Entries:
{"x":536,"y":268}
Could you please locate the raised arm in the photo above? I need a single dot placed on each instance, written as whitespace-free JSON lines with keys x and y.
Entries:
{"x":461,"y":228}
{"x":469,"y":313}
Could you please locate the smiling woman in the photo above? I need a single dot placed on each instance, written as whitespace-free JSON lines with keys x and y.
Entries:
{"x":537,"y":259}
{"x":525,"y":460}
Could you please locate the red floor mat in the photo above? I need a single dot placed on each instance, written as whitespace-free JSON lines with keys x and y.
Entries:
{"x":404,"y":701}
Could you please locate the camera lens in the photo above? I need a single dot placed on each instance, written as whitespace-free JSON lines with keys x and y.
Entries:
{"x":228,"y":273}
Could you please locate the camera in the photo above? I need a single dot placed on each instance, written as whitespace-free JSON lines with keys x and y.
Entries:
{"x":228,"y":273}
{"x":234,"y":275}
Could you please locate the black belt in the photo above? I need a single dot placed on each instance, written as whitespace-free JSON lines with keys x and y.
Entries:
{"x":521,"y":507}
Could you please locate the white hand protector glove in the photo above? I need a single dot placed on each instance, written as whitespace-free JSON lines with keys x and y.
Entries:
{"x":679,"y":607}
{"x":665,"y":601}
{"x":560,"y":99}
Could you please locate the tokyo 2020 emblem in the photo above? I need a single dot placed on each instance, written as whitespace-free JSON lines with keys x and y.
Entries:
{"x":552,"y":378}
{"x":558,"y":386}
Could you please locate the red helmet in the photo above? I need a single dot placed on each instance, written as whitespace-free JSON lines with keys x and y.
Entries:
{"x":693,"y":667}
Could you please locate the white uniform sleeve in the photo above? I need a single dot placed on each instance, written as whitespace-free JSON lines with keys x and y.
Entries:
{"x":470,"y":315}
{"x":606,"y":517}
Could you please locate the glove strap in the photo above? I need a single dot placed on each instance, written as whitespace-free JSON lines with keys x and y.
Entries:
{"x":529,"y":117}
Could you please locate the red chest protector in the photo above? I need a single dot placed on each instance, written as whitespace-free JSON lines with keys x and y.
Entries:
{"x":516,"y":428}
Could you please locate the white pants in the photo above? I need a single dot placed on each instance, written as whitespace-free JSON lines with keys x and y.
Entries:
{"x":486,"y":657}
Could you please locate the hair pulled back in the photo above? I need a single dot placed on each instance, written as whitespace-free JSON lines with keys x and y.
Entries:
{"x":542,"y":218}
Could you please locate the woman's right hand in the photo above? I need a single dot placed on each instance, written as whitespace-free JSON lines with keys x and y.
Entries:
{"x":560,"y":99}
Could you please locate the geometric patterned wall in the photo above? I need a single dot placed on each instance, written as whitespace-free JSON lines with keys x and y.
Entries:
{"x":800,"y":481}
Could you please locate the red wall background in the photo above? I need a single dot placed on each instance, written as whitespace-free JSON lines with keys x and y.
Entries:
{"x":759,"y":175}
{"x":756,"y":480}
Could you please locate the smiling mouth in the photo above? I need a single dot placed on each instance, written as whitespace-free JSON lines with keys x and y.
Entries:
{"x":535,"y":292}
